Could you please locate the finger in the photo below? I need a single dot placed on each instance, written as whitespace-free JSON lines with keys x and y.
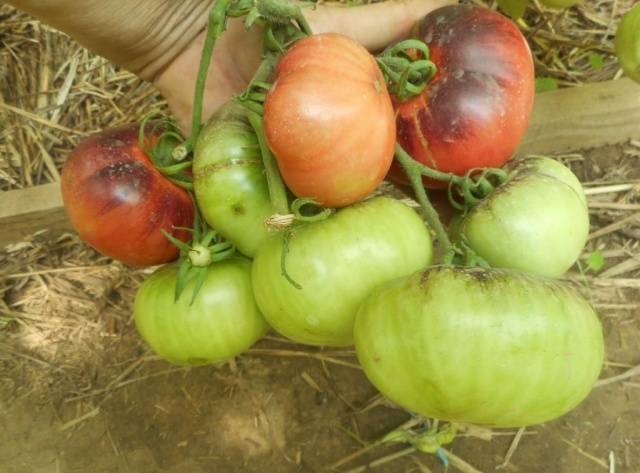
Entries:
{"x":374,"y":25}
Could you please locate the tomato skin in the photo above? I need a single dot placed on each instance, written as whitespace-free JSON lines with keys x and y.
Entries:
{"x":329,"y":120}
{"x":491,"y":347}
{"x":229,"y":179}
{"x":118,"y":202}
{"x":628,"y":43}
{"x":476,"y":109}
{"x":222,"y":322}
{"x":338,"y":262}
{"x":536,"y":222}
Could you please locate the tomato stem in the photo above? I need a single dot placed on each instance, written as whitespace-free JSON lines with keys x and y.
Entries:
{"x":283,"y":11}
{"x":258,"y":84}
{"x":217,"y":25}
{"x":414,"y":173}
{"x":199,"y":255}
{"x":321,"y":213}
{"x":277,"y":189}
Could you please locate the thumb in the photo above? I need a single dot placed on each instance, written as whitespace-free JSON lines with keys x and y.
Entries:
{"x":374,"y":25}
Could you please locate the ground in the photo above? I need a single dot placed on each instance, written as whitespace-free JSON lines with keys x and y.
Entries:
{"x":263,"y":416}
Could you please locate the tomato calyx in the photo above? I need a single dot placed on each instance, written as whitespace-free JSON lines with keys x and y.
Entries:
{"x":162,"y":152}
{"x":205,"y":248}
{"x":407,"y":68}
{"x":429,"y":439}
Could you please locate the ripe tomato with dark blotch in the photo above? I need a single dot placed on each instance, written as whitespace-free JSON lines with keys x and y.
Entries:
{"x":118,"y":202}
{"x":329,"y":120}
{"x":538,"y":221}
{"x":222,"y":322}
{"x":476,"y":109}
{"x":628,"y":43}
{"x":471,"y":345}
{"x":229,"y":179}
{"x":337,"y":262}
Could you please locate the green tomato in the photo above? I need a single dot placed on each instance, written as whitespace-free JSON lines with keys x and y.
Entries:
{"x":628,"y":43}
{"x":538,"y":221}
{"x":229,"y":180}
{"x":222,"y":322}
{"x":491,"y":347}
{"x":559,"y":3}
{"x":337,"y":262}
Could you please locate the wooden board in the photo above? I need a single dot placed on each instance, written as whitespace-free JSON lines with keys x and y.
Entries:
{"x":584,"y":117}
{"x":25,"y":211}
{"x":563,"y":121}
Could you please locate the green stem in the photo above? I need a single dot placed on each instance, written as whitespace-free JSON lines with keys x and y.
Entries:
{"x":283,"y":11}
{"x":259,"y":79}
{"x":414,"y":172}
{"x":277,"y":190}
{"x":321,"y":212}
{"x":302,"y":23}
{"x":446,"y":177}
{"x":217,"y":25}
{"x":175,"y":168}
{"x":186,"y":185}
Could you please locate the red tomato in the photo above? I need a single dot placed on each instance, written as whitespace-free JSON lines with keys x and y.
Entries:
{"x":118,"y":201}
{"x":476,"y":109}
{"x":329,"y":120}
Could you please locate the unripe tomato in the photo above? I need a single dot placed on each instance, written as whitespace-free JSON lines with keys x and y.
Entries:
{"x":229,"y":179}
{"x":538,"y":221}
{"x":628,"y":43}
{"x":118,"y":202}
{"x":329,"y":120}
{"x":337,"y":262}
{"x":222,"y":322}
{"x":476,"y":109}
{"x":491,"y":347}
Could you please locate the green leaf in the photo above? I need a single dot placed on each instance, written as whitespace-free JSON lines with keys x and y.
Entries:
{"x":182,"y":246}
{"x":595,"y":261}
{"x":545,"y":84}
{"x":514,"y":8}
{"x":182,"y":278}
{"x":200,"y":275}
{"x":596,"y":60}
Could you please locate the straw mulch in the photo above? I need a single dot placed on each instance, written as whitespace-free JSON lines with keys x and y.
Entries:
{"x":65,"y":312}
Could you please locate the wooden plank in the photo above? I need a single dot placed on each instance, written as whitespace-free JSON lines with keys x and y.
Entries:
{"x":584,"y":117}
{"x":25,"y":211}
{"x":563,"y":121}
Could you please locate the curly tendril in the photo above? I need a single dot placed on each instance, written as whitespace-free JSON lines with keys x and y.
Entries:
{"x":407,"y":68}
{"x":474,"y":186}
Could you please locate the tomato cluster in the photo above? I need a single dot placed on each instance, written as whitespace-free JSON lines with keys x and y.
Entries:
{"x":484,"y":337}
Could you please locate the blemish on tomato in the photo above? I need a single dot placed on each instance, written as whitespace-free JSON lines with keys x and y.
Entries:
{"x":238,"y":209}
